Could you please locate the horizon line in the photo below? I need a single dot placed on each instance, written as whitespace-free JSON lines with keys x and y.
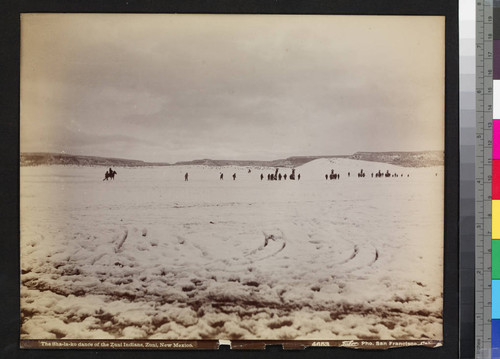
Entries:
{"x":211,"y":159}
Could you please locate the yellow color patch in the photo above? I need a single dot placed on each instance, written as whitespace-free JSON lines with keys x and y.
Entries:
{"x":495,"y":219}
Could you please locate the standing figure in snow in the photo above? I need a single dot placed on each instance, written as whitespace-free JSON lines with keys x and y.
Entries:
{"x":298,"y":177}
{"x":186,"y":176}
{"x":234,"y":176}
{"x":261,"y":176}
{"x":284,"y":176}
{"x":221,"y":176}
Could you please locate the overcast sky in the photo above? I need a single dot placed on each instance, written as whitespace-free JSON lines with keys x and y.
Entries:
{"x":182,"y":87}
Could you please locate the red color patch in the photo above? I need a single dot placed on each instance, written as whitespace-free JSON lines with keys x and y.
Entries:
{"x":495,"y":181}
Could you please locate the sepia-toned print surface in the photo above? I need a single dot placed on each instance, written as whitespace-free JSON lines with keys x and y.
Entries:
{"x":234,"y":177}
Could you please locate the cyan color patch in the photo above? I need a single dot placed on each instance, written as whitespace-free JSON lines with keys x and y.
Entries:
{"x":495,"y":302}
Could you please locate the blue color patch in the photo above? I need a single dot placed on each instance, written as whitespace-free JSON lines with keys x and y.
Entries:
{"x":495,"y":338}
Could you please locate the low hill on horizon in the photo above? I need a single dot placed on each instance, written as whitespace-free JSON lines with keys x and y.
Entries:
{"x":45,"y":158}
{"x":405,"y":159}
{"x":294,"y":161}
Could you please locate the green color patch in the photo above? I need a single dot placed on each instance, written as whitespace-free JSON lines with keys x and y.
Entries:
{"x":495,"y":259}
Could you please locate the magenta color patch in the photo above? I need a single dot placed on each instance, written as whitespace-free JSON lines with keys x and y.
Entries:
{"x":496,"y":139}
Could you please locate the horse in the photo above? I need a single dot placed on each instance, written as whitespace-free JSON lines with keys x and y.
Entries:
{"x":108,"y":175}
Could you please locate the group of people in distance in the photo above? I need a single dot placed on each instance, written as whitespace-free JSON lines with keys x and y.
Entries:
{"x":333,"y":175}
{"x":276,"y":176}
{"x":362,"y":173}
{"x":221,"y":177}
{"x":388,"y":174}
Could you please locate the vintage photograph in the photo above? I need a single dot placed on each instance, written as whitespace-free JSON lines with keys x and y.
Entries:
{"x":234,"y":177}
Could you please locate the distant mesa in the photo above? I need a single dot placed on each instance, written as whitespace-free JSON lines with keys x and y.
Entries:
{"x":41,"y":158}
{"x":288,"y":162}
{"x":404,"y":159}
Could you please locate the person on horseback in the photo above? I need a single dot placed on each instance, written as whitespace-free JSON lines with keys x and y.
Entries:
{"x":109,"y":174}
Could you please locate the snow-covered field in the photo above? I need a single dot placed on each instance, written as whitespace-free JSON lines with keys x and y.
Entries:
{"x":152,"y":256}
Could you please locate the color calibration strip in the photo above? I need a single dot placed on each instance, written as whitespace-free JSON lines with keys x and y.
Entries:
{"x":485,"y":112}
{"x":495,"y":190}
